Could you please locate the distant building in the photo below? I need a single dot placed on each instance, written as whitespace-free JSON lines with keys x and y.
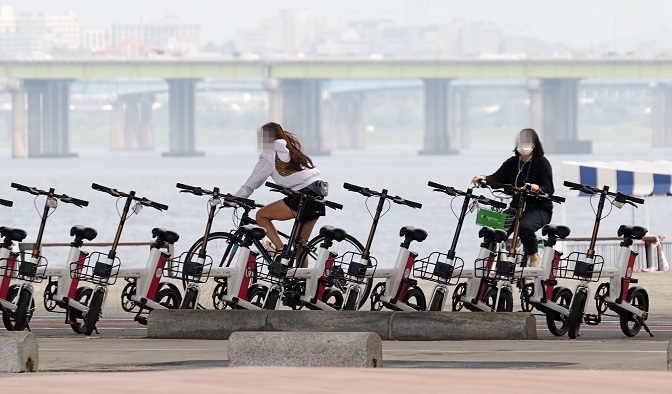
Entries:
{"x":37,"y":34}
{"x":166,"y":35}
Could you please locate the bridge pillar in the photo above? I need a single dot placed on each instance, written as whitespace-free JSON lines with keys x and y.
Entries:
{"x":18,"y":119}
{"x":48,"y":118}
{"x":440,"y":136}
{"x":343,"y":123}
{"x":181,"y":119}
{"x":132,"y":123}
{"x":554,"y":115}
{"x":462,"y":101}
{"x":661,"y":114}
{"x":301,"y":112}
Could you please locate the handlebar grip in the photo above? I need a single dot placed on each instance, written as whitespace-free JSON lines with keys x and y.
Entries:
{"x":331,"y":204}
{"x":351,"y":187}
{"x":274,"y":186}
{"x":105,"y":189}
{"x":412,"y":204}
{"x":21,"y":188}
{"x":241,"y":200}
{"x":436,"y":185}
{"x":185,"y":187}
{"x":6,"y":203}
{"x":161,"y":207}
{"x":496,"y":204}
{"x":557,"y":199}
{"x":636,"y":199}
{"x":573,"y":185}
{"x":76,"y":201}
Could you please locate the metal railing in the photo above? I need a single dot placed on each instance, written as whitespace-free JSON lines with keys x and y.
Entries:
{"x":650,"y":257}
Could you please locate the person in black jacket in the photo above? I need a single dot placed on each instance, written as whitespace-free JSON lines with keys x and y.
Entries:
{"x":528,"y":165}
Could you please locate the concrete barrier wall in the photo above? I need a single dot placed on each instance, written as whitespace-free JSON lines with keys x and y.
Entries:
{"x":18,"y":352}
{"x":402,"y":326}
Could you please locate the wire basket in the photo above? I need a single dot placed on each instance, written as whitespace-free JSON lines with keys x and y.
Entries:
{"x":575,"y":266}
{"x":272,"y":272}
{"x":349,"y":267}
{"x":436,"y":268}
{"x":96,"y":269}
{"x":500,"y":268}
{"x":25,"y":268}
{"x":187,"y":267}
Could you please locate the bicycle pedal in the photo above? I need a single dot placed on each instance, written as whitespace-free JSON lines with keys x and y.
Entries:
{"x":592,"y":320}
{"x":140,"y":319}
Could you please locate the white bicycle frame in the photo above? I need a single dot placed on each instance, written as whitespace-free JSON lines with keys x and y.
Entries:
{"x":620,"y":278}
{"x":148,"y":278}
{"x":8,"y":262}
{"x":395,"y":288}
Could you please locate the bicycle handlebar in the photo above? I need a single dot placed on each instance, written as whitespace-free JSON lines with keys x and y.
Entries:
{"x":6,"y":203}
{"x":141,"y":200}
{"x":39,"y":192}
{"x":366,"y":192}
{"x":594,"y":190}
{"x":513,"y":190}
{"x":289,"y":192}
{"x":453,"y":192}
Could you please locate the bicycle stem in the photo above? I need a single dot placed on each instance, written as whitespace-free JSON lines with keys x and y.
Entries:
{"x":460,"y":221}
{"x":208,"y":227}
{"x":598,"y":219}
{"x":43,"y":224}
{"x":296,"y":229}
{"x":379,"y":209}
{"x":124,"y":214}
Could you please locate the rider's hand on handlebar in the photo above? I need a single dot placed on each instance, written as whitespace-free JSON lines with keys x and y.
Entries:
{"x":227,"y":204}
{"x":534,"y":187}
{"x":477,"y":178}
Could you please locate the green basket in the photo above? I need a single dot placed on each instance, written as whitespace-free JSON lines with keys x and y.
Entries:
{"x":485,"y":217}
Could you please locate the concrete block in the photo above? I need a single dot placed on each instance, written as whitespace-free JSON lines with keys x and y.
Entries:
{"x":442,"y":326}
{"x":18,"y":351}
{"x":330,"y":321}
{"x":669,"y":355}
{"x":203,"y":324}
{"x":306,"y":349}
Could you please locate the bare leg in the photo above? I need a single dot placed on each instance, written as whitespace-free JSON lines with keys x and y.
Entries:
{"x":305,"y":236}
{"x":274,"y":211}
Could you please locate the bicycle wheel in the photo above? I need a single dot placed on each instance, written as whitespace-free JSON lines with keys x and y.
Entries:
{"x":437,"y":301}
{"x":223,"y":253}
{"x":218,"y":293}
{"x":190,"y":298}
{"x":557,"y":322}
{"x":93,"y":314}
{"x":630,"y":324}
{"x":127,"y":303}
{"x":460,"y":290}
{"x":525,"y":293}
{"x":256,"y":296}
{"x":415,"y":298}
{"x":505,"y":303}
{"x":576,"y":314}
{"x":334,"y":298}
{"x":47,"y":296}
{"x":169,"y":298}
{"x":83,"y":296}
{"x":25,"y":305}
{"x":349,"y":244}
{"x":600,"y":293}
{"x":378,"y":290}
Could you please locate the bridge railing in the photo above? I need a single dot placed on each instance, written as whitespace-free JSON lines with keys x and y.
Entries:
{"x":652,"y":253}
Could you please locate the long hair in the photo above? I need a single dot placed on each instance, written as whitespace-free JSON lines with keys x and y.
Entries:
{"x":530,"y":133}
{"x":297,"y":159}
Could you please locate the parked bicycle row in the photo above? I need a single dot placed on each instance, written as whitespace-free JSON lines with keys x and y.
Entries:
{"x":332,"y":271}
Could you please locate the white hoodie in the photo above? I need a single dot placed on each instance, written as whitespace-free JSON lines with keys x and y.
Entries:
{"x":266,"y":166}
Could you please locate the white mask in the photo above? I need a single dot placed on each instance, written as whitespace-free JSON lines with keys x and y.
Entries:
{"x":524,"y":149}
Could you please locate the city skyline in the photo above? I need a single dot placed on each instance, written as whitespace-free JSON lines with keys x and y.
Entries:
{"x":600,"y":25}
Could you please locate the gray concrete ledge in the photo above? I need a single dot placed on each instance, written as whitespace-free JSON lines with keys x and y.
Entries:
{"x":18,"y":351}
{"x":402,"y":326}
{"x":306,"y":349}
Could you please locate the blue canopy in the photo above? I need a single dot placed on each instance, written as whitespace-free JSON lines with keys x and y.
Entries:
{"x":636,"y":178}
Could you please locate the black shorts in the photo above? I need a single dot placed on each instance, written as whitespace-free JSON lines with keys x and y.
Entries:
{"x":311,"y":211}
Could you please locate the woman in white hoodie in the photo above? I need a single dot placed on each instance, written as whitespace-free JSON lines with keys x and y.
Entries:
{"x":282,"y":159}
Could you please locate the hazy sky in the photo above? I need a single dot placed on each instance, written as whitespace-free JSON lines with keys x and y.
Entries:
{"x":582,"y":23}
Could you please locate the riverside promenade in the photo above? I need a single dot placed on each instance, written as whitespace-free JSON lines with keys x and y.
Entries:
{"x":121,"y":358}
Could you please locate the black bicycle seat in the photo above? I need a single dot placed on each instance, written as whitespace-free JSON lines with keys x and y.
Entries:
{"x":555,"y":231}
{"x":496,"y":235}
{"x":87,"y":233}
{"x":14,"y":234}
{"x":255,"y":231}
{"x":166,"y":235}
{"x":330,"y":232}
{"x":636,"y":232}
{"x":415,"y":234}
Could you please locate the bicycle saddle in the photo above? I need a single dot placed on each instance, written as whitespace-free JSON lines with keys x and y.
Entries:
{"x":166,"y":235}
{"x":490,"y":233}
{"x":81,"y":232}
{"x":555,"y":231}
{"x":415,"y":234}
{"x":14,"y":234}
{"x":255,"y":231}
{"x":330,"y":232}
{"x":635,"y":232}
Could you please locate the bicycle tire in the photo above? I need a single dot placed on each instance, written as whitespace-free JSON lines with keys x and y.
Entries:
{"x":83,"y":296}
{"x":49,"y":291}
{"x":629,"y":324}
{"x":19,"y":319}
{"x":562,"y":297}
{"x":93,"y":314}
{"x":505,"y":303}
{"x":349,"y":244}
{"x":257,"y":296}
{"x":169,"y":298}
{"x":334,"y":298}
{"x":526,"y":292}
{"x":456,"y":301}
{"x":420,"y":303}
{"x":576,"y":314}
{"x":272,"y":299}
{"x":437,"y":301}
{"x":189,"y":300}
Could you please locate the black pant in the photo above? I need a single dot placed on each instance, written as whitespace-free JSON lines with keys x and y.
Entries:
{"x":531,"y":222}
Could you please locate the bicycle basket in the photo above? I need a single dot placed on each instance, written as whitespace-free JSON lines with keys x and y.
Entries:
{"x":577,"y":266}
{"x":187,"y":267}
{"x":349,"y":267}
{"x":96,"y":269}
{"x":436,"y":268}
{"x":26,"y":268}
{"x":500,"y":268}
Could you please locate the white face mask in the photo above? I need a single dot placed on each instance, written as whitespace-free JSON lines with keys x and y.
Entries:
{"x":524,"y":149}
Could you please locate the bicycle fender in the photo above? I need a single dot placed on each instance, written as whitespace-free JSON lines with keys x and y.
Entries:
{"x":170,"y":285}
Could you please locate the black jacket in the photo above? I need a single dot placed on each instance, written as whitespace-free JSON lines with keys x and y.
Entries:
{"x":537,"y":171}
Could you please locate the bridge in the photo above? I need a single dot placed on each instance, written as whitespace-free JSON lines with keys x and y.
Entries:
{"x":294,"y":87}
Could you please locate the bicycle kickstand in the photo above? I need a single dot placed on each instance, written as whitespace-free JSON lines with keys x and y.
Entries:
{"x":643,"y":322}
